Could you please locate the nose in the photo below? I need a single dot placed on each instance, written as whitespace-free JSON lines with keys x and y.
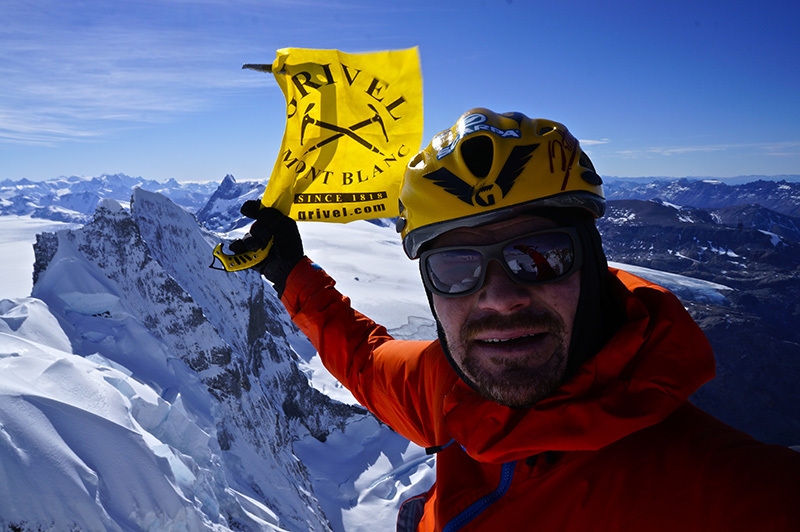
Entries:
{"x":500,"y":293}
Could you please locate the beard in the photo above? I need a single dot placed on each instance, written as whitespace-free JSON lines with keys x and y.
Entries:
{"x":534,"y":370}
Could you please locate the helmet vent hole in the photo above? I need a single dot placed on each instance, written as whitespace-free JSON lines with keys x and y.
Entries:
{"x":418,"y":161}
{"x":478,"y":154}
{"x":586,"y":162}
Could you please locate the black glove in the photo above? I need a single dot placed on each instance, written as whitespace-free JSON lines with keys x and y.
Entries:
{"x":287,"y":246}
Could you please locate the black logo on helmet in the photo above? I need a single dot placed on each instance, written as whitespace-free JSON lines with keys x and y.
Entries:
{"x":485,"y":194}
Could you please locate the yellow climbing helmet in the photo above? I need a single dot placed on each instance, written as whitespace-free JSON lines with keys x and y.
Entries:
{"x":490,"y":167}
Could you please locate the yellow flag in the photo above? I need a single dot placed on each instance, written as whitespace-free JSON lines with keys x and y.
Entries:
{"x":352,"y":122}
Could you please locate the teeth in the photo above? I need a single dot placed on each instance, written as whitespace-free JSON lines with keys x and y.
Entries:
{"x":501,"y":340}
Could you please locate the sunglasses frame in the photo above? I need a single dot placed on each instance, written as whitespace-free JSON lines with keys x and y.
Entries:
{"x":490,"y":252}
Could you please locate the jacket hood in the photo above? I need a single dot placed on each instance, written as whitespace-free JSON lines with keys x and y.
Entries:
{"x":649,"y":368}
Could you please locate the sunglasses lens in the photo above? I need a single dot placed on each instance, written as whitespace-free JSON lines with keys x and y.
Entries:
{"x":454,"y":271}
{"x":540,"y":258}
{"x":530,"y":259}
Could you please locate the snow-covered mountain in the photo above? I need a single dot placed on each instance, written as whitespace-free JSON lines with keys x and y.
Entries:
{"x":142,"y":390}
{"x":166,"y":395}
{"x":221,"y":212}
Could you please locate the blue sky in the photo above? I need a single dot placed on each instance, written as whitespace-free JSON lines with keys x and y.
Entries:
{"x":155,"y":88}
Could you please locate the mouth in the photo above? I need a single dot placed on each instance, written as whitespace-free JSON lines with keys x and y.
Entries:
{"x":529,"y":336}
{"x":511,"y":341}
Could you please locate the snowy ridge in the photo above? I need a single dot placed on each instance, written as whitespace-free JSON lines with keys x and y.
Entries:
{"x":75,"y":442}
{"x":174,"y":396}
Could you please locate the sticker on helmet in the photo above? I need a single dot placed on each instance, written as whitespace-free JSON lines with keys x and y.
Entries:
{"x":472,"y":123}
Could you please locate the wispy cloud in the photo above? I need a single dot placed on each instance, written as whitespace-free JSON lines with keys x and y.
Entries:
{"x":75,"y":71}
{"x":18,"y":126}
{"x":589,"y":142}
{"x":783,"y":149}
{"x":74,"y":80}
{"x":789,"y":148}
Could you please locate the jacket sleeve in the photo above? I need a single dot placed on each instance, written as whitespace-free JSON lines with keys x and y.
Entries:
{"x":401,"y":382}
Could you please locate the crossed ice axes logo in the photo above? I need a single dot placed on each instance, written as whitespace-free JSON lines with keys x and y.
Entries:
{"x":343,"y":131}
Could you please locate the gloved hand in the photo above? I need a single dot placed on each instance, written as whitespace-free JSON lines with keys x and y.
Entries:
{"x":287,"y":246}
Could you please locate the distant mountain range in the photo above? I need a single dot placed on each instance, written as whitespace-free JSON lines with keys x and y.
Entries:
{"x":781,"y":195}
{"x":74,"y":199}
{"x":737,"y":180}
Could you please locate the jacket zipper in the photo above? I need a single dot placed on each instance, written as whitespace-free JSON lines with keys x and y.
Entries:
{"x":474,"y":509}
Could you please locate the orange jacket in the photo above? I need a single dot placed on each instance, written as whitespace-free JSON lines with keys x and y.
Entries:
{"x":616,"y":448}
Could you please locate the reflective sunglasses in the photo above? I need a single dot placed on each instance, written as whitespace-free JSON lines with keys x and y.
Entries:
{"x":533,"y":258}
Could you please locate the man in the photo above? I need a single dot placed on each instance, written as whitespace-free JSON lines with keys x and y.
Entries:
{"x":556,"y":395}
